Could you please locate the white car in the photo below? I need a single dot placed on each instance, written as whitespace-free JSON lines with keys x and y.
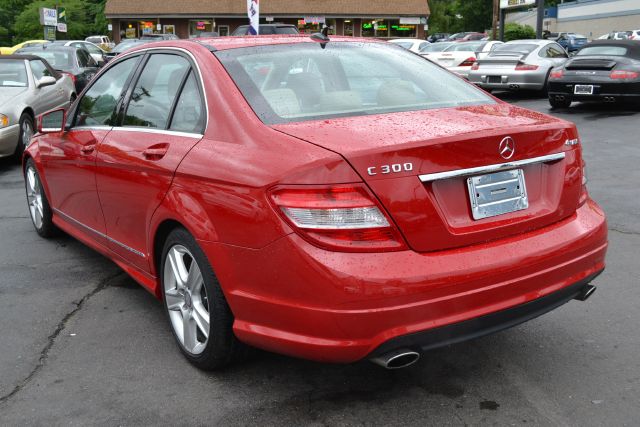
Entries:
{"x":414,"y":45}
{"x":635,"y":35}
{"x":460,"y":57}
{"x":104,"y":42}
{"x":434,"y":49}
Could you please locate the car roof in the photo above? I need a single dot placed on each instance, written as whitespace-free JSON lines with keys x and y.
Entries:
{"x":539,"y":42}
{"x":21,"y":57}
{"x":235,"y":42}
{"x":633,"y":46}
{"x":50,"y":46}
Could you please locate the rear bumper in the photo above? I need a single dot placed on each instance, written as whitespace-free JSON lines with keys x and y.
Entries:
{"x":621,"y":90}
{"x":509,"y":79}
{"x":296,"y":299}
{"x":9,"y":140}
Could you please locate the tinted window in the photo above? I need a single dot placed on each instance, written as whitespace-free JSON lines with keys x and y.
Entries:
{"x":84,"y":60}
{"x":603,"y":50}
{"x":188,"y":115}
{"x":515,"y":48}
{"x":13,"y":73}
{"x":98,"y":106}
{"x":466,"y":47}
{"x":435,"y":47}
{"x":342,"y":80}
{"x":556,"y":51}
{"x":155,"y":91}
{"x":60,"y":60}
{"x":39,"y":70}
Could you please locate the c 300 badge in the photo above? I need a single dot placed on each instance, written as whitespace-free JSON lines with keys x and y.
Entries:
{"x":387,"y":169}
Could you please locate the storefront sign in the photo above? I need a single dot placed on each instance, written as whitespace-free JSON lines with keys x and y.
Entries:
{"x":62,"y":20}
{"x":409,"y":21}
{"x":269,"y":18}
{"x":201,"y":25}
{"x":314,"y":19}
{"x":507,"y":4}
{"x":48,"y":17}
{"x":159,"y":27}
{"x":50,"y":33}
{"x":110,"y":27}
{"x":130,"y":33}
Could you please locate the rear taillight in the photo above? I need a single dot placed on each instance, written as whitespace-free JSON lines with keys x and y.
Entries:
{"x":556,"y":74}
{"x":623,"y":75}
{"x":468,"y":62}
{"x":584,"y":194}
{"x":526,"y":67}
{"x":475,"y":66}
{"x":338,"y":217}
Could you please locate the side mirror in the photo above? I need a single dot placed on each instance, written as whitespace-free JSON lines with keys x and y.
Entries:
{"x":53,"y":121}
{"x":46,"y":81}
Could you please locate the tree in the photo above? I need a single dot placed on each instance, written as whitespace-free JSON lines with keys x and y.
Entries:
{"x":27,"y":24}
{"x":9,"y":9}
{"x":450,"y":16}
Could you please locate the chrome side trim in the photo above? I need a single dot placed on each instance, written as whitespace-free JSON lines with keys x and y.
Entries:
{"x":158,"y":131}
{"x":490,"y":168}
{"x":130,"y":249}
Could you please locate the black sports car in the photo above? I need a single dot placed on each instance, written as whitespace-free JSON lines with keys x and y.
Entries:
{"x":604,"y":70}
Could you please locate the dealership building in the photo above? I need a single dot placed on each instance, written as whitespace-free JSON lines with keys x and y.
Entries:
{"x":190,"y":18}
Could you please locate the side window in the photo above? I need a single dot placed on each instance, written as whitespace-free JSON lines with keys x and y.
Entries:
{"x":188,"y":115}
{"x":83,"y":58}
{"x":544,"y":52}
{"x":557,"y":51}
{"x":38,"y":69}
{"x":155,"y":91}
{"x":98,"y":106}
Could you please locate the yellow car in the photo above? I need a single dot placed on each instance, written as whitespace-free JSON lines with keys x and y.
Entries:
{"x":28,"y":43}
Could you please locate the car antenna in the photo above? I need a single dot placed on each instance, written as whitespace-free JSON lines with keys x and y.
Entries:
{"x":322,"y":37}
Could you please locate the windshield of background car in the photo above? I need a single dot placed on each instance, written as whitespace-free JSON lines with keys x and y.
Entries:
{"x":521,"y":48}
{"x":603,"y":50}
{"x":465,"y":47}
{"x":13,"y":73}
{"x":59,"y":60}
{"x":126,"y":46}
{"x":299,"y":82}
{"x":435,"y":47}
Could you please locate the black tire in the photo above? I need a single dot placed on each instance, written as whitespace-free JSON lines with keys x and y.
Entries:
{"x":559,"y":103}
{"x":25,"y":121}
{"x":45,"y":227}
{"x":222,"y":348}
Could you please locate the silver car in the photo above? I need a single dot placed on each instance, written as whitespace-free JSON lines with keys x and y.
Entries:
{"x":518,"y":64}
{"x":28,"y":88}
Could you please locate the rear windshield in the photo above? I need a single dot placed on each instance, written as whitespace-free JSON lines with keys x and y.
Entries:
{"x":603,"y":50}
{"x":435,"y":47}
{"x":96,"y":40}
{"x":13,"y":73}
{"x":514,"y":48}
{"x":59,"y":60}
{"x":299,"y":82}
{"x":406,"y":45}
{"x":466,"y":47}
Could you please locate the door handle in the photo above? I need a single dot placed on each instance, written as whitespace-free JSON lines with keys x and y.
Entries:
{"x":156,"y":152}
{"x":88,"y":149}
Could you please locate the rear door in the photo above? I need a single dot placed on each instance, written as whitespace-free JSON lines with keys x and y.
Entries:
{"x":162,"y":119}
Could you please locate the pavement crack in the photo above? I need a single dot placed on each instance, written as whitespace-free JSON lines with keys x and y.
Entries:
{"x":617,"y":230}
{"x":44,"y":353}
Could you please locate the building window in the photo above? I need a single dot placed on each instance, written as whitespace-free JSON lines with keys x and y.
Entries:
{"x":396,"y":30}
{"x":348,"y":27}
{"x":197,"y":26}
{"x":387,"y":28}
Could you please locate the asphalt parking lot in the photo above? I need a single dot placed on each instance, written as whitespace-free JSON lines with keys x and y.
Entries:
{"x":82,"y":344}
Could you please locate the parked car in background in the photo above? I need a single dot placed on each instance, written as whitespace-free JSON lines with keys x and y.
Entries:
{"x":459,"y":36}
{"x":617,"y":35}
{"x":104,"y":42}
{"x":266,"y":29}
{"x":436,"y":37}
{"x":474,"y":36}
{"x":460,"y":57}
{"x":158,"y":37}
{"x":571,"y":42}
{"x":28,"y":43}
{"x":635,"y":35}
{"x":434,"y":48}
{"x":124,"y":46}
{"x":373,"y":209}
{"x":414,"y":45}
{"x":204,"y":34}
{"x":28,"y":88}
{"x":73,"y":61}
{"x":96,"y":52}
{"x":604,"y":71}
{"x":518,"y":64}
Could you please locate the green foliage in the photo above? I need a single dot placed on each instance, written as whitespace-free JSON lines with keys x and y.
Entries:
{"x":20,"y":19}
{"x":513,"y":31}
{"x":452,"y":16}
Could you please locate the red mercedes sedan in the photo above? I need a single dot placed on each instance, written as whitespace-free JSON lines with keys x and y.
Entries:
{"x":334,"y":200}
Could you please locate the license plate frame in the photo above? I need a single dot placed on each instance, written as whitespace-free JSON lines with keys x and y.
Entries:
{"x":497,"y":193}
{"x":583,"y":90}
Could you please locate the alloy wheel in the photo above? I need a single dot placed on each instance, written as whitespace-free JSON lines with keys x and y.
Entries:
{"x":27,"y":132}
{"x":34,"y":197}
{"x":186,"y":299}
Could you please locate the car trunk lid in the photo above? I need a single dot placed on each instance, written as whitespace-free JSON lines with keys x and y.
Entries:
{"x":391,"y":152}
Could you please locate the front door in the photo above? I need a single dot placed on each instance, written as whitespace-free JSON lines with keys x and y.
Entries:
{"x":70,"y":158}
{"x":137,"y":160}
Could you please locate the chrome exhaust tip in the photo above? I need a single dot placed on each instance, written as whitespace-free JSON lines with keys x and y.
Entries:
{"x":586,"y":292}
{"x":397,"y":359}
{"x":559,"y":97}
{"x":514,"y":86}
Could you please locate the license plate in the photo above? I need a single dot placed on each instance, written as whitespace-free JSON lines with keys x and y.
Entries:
{"x":497,"y":193}
{"x":494,"y":79}
{"x":583,"y":90}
